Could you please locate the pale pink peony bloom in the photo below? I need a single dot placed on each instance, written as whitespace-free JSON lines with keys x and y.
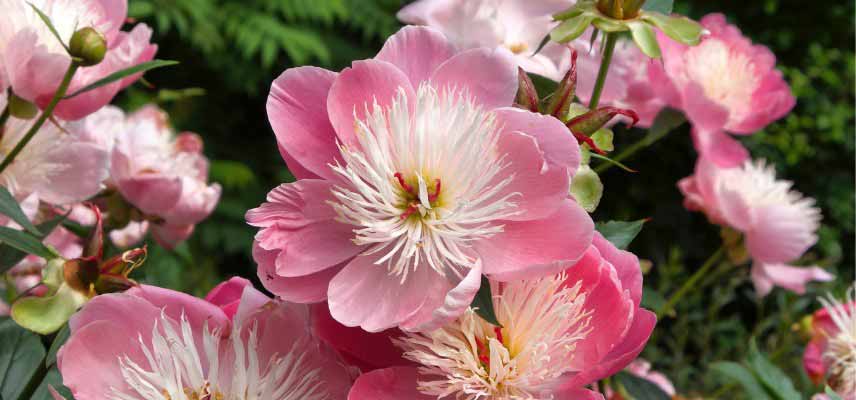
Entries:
{"x":130,"y":235}
{"x":151,"y":343}
{"x":831,"y":354}
{"x":417,"y":177}
{"x":627,"y":85}
{"x":33,"y":61}
{"x":724,"y":84}
{"x":516,"y":25}
{"x":61,"y":165}
{"x":559,"y":334}
{"x":154,"y":171}
{"x":779,"y":224}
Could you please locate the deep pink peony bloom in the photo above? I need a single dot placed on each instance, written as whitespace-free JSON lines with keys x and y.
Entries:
{"x":416,"y":177}
{"x":163,"y":175}
{"x":32,"y":61}
{"x":627,"y":85}
{"x":61,"y":165}
{"x":779,"y":224}
{"x":559,"y":334}
{"x":830,"y":354}
{"x":151,"y":343}
{"x":516,"y":25}
{"x":724,"y":84}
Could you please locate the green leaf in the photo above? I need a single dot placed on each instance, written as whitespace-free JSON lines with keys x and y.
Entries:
{"x":483,"y":303}
{"x":10,"y":256}
{"x":25,"y":242}
{"x":736,"y":373}
{"x":641,"y":389}
{"x":21,"y":355}
{"x":645,"y":38}
{"x":667,"y":120}
{"x":52,"y":379}
{"x":571,"y":28}
{"x":613,"y":162}
{"x":231,"y":174}
{"x":586,"y":188}
{"x":771,"y":377}
{"x":681,"y":29}
{"x":660,"y":6}
{"x":10,"y":208}
{"x":50,"y":25}
{"x":45,"y":315}
{"x":831,"y":394}
{"x":620,"y":233}
{"x":59,"y":340}
{"x":603,"y":139}
{"x":142,"y":67}
{"x":652,"y":299}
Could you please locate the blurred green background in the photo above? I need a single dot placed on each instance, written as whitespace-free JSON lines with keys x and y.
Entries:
{"x":231,"y":50}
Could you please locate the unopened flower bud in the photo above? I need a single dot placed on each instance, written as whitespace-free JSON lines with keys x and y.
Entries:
{"x":620,"y":9}
{"x":81,"y":273}
{"x":189,"y":142}
{"x":88,"y":45}
{"x":21,"y":109}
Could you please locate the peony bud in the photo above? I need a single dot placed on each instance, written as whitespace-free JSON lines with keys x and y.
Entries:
{"x":89,"y":46}
{"x":620,"y":9}
{"x":527,"y":96}
{"x":20,"y":108}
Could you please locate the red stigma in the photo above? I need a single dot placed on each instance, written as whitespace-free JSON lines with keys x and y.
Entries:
{"x":498,"y":332}
{"x":437,"y":187}
{"x":403,"y":184}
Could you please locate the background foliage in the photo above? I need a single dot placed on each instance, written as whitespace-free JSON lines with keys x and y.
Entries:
{"x":231,"y":50}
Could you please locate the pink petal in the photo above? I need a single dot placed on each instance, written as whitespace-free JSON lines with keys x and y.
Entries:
{"x":305,"y":289}
{"x":296,"y":169}
{"x":813,"y":361}
{"x":719,"y":148}
{"x":309,"y":249}
{"x":169,"y":236}
{"x":781,"y":233}
{"x":396,"y":383}
{"x":417,"y":51}
{"x":735,"y":209}
{"x":357,"y":89}
{"x":489,"y":76}
{"x":85,"y":167}
{"x":115,"y":13}
{"x":297,"y":110}
{"x":626,"y":265}
{"x":197,"y":201}
{"x":227,"y":295}
{"x":560,"y":148}
{"x":31,"y":70}
{"x":151,"y":193}
{"x":368,"y":351}
{"x":577,"y":394}
{"x":294,"y":205}
{"x":177,"y":304}
{"x":365,"y":294}
{"x":795,"y":279}
{"x":540,"y":247}
{"x":439,"y":310}
{"x":705,"y":114}
{"x":538,"y":188}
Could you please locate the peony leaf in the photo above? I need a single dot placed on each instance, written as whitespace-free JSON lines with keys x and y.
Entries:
{"x":53,"y":379}
{"x":620,"y":233}
{"x":45,"y":315}
{"x":118,"y":75}
{"x":59,"y":340}
{"x":645,"y":38}
{"x":641,"y":389}
{"x":10,"y":208}
{"x":571,"y":28}
{"x":771,"y":377}
{"x":21,"y":355}
{"x":586,"y":188}
{"x":734,"y":372}
{"x":660,"y":6}
{"x":681,"y":29}
{"x":483,"y":303}
{"x":25,"y":242}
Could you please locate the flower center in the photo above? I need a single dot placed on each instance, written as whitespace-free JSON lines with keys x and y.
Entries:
{"x":542,"y":320}
{"x":424,"y":182}
{"x":840,"y":353}
{"x":712,"y":61}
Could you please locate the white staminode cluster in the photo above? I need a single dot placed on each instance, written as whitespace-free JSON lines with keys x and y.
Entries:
{"x":840,"y":351}
{"x":423,"y":184}
{"x":221,"y":369}
{"x":470,"y":359}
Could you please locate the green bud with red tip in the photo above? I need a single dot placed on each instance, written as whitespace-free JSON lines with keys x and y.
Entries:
{"x":527,"y":96}
{"x":88,"y":46}
{"x":560,"y":101}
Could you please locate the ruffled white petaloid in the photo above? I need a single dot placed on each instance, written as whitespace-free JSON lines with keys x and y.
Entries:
{"x":220,"y":368}
{"x":542,"y":321}
{"x":425,"y":181}
{"x":714,"y":59}
{"x":841,"y":348}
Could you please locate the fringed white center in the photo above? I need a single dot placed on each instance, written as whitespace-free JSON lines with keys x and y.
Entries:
{"x":840,"y":352}
{"x":727,"y":77}
{"x":470,"y":359}
{"x":220,"y":369}
{"x":420,"y":186}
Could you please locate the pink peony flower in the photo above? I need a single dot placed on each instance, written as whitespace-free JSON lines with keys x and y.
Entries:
{"x":831,"y":354}
{"x":61,"y":165}
{"x":153,"y":343}
{"x":724,"y":84}
{"x":779,"y":224}
{"x":559,"y":334}
{"x":516,"y":25}
{"x":627,"y":86}
{"x":33,"y":61}
{"x":416,"y":177}
{"x":159,"y":174}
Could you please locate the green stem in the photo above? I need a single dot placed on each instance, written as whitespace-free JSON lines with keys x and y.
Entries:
{"x":626,"y":153}
{"x":60,"y":92}
{"x":611,"y":38}
{"x":4,"y":116}
{"x":705,"y":268}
